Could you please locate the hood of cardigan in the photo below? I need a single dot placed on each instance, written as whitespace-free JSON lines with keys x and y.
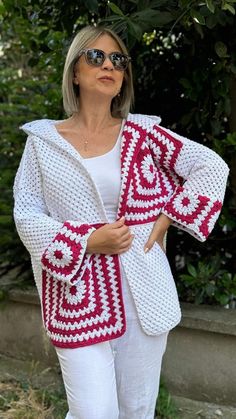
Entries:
{"x":41,"y":127}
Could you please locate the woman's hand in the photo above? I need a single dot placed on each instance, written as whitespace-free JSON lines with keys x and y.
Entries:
{"x":158,"y":232}
{"x":113,"y":238}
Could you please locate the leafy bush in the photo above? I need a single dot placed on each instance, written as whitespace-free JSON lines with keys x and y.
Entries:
{"x":209,"y":283}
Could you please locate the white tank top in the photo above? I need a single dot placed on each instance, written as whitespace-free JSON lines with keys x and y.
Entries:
{"x":105,"y":171}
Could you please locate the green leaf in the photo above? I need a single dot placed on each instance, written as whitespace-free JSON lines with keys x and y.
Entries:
{"x":157,"y":3}
{"x":192,"y":270}
{"x":197,"y":17}
{"x":199,"y":30}
{"x":135,"y":29}
{"x":2,"y":9}
{"x":228,"y":7}
{"x":5,"y":219}
{"x":221,"y":49}
{"x":233,"y":69}
{"x":210,"y":289}
{"x":223,"y":299}
{"x":200,"y":297}
{"x":112,"y":18}
{"x":150,"y":18}
{"x":211,"y":21}
{"x":185,"y":83}
{"x":183,"y":3}
{"x":115,"y":9}
{"x":210,"y":5}
{"x":187,"y":278}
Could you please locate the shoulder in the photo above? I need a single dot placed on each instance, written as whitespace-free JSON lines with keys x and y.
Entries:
{"x":151,"y":123}
{"x":144,"y":121}
{"x":39,"y":127}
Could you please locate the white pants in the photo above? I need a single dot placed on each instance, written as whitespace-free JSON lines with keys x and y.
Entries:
{"x":117,"y":379}
{"x":114,"y":379}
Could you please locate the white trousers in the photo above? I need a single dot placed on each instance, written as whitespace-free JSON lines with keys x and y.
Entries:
{"x":114,"y":379}
{"x":117,"y":379}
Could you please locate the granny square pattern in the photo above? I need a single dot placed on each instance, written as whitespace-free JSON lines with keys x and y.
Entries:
{"x":81,"y":306}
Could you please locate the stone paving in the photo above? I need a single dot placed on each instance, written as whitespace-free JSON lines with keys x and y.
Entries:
{"x":191,"y":409}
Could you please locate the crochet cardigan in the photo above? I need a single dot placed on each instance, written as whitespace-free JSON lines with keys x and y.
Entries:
{"x":58,"y":206}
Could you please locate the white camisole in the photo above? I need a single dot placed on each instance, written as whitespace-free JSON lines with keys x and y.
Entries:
{"x":106,"y":173}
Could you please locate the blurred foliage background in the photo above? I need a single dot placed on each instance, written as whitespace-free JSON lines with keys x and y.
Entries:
{"x":184,"y":62}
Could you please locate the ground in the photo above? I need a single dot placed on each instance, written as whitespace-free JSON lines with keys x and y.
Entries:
{"x":190,"y":409}
{"x":29,"y":392}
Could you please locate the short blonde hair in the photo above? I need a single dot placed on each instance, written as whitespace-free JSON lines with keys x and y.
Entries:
{"x":121,"y":104}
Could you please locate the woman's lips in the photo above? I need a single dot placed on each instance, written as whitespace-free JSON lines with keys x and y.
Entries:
{"x":105,"y":78}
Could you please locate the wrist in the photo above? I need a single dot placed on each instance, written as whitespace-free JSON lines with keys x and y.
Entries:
{"x":163,"y":223}
{"x":90,"y":244}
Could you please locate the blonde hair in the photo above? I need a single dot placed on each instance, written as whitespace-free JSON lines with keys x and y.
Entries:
{"x":121,"y":104}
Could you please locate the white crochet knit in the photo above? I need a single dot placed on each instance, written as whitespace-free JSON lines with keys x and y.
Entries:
{"x":57,"y":206}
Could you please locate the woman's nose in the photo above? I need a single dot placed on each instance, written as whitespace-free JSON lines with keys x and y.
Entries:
{"x":107,"y":65}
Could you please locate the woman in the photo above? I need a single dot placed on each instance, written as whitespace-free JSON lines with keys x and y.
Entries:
{"x":94,"y":197}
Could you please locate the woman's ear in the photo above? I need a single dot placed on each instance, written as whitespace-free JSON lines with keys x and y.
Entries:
{"x":76,"y":75}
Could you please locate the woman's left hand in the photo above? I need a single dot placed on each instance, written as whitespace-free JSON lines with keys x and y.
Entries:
{"x":158,"y":232}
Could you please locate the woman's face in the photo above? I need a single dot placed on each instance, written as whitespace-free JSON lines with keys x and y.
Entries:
{"x":100,"y":81}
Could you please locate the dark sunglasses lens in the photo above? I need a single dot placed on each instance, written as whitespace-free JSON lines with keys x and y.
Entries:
{"x":95,"y":57}
{"x":120,"y":61}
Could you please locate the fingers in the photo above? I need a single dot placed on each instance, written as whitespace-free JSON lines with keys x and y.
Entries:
{"x":158,"y":232}
{"x":118,"y":223}
{"x":149,"y":245}
{"x":128,"y":241}
{"x":121,"y":237}
{"x":126,"y":245}
{"x":125,"y":234}
{"x":151,"y":241}
{"x":122,"y":232}
{"x":153,"y":238}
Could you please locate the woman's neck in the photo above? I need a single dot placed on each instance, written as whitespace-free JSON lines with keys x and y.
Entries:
{"x":94,"y":116}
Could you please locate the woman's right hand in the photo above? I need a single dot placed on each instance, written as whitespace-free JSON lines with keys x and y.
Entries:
{"x":113,"y":238}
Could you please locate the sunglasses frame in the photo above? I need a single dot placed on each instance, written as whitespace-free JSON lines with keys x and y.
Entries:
{"x":105,"y":55}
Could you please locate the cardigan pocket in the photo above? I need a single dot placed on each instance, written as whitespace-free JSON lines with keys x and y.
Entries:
{"x":65,"y":306}
{"x":89,"y":311}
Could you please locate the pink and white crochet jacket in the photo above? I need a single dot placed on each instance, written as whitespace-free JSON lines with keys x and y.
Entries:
{"x":57,"y":207}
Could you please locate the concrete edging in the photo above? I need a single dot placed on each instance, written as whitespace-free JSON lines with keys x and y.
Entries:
{"x":209,"y":318}
{"x":200,"y":360}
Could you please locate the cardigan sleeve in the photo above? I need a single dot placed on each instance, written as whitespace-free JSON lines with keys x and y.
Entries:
{"x":201,"y":174}
{"x":58,"y":246}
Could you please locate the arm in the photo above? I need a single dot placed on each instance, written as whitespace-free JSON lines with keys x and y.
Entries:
{"x":158,"y":233}
{"x":59,"y":247}
{"x":196,"y":203}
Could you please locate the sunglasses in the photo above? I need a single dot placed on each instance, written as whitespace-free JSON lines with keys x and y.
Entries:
{"x":96,"y":58}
